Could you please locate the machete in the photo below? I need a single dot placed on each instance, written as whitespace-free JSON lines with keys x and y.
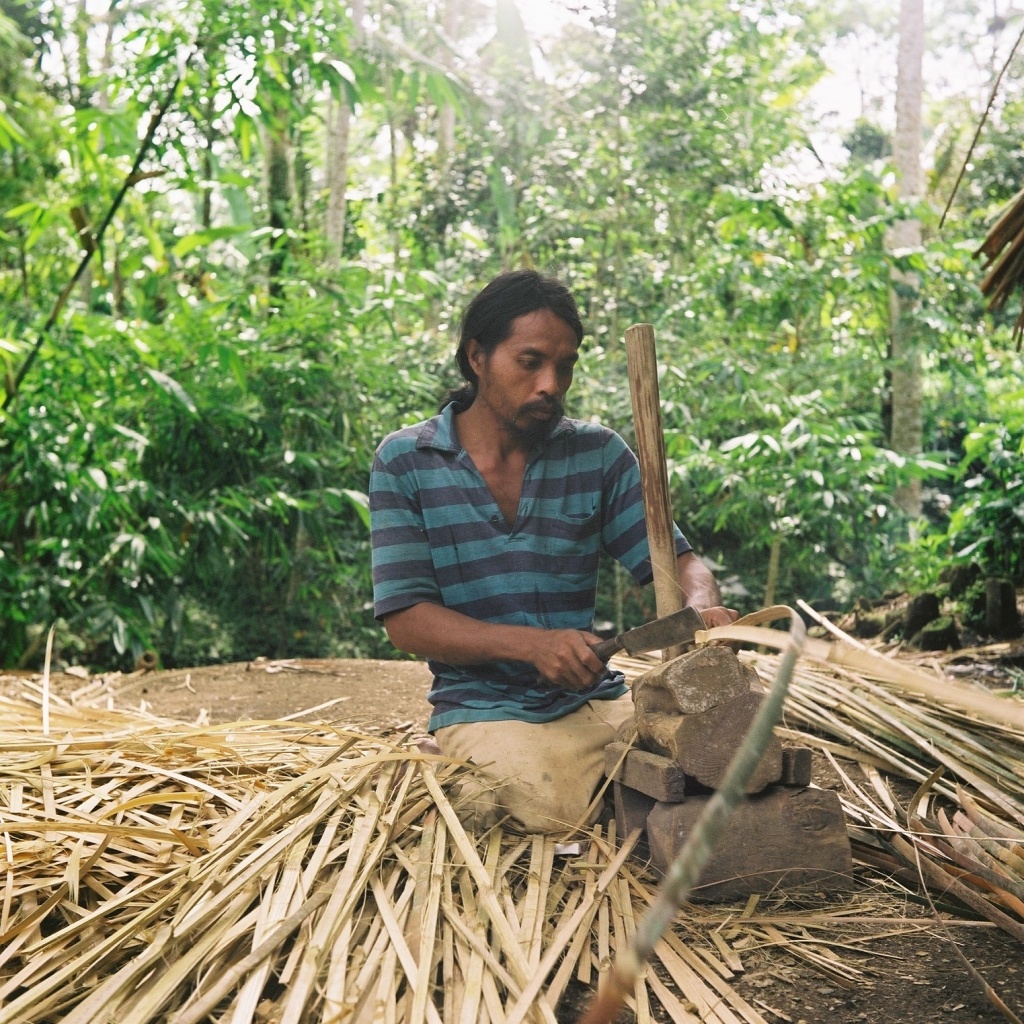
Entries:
{"x":670,"y":631}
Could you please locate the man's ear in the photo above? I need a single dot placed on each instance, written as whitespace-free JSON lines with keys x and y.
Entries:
{"x":476,"y":356}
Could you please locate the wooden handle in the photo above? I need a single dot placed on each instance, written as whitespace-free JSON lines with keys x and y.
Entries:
{"x":642,"y":367}
{"x":606,"y":648}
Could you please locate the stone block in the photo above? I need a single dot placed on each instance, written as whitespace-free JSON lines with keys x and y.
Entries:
{"x":703,"y":744}
{"x":796,"y":766}
{"x":631,"y":810}
{"x":690,"y":684}
{"x":782,"y":839}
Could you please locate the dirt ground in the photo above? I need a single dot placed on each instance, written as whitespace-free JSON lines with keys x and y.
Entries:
{"x":907,"y":978}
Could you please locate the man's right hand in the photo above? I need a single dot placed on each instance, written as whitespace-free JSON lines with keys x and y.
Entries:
{"x":565,"y":658}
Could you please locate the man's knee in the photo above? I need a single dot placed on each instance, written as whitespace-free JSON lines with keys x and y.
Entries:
{"x":561,"y":808}
{"x":545,"y":778}
{"x":477,"y":803}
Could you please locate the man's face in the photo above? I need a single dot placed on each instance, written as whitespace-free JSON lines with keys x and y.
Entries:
{"x":523,"y":382}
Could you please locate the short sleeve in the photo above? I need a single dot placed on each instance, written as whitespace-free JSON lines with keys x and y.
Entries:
{"x":624,"y":530}
{"x":403,"y":571}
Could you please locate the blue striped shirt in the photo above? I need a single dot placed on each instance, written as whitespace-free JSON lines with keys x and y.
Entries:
{"x":438,"y":536}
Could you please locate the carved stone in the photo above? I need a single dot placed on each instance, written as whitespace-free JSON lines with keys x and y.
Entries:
{"x":692,"y":683}
{"x":703,"y":744}
{"x":782,"y":839}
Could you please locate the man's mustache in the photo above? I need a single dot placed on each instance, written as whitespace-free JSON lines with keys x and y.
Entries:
{"x":551,"y":408}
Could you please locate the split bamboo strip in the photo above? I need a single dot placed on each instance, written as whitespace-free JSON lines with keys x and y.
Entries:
{"x":572,"y":959}
{"x":562,"y":937}
{"x":449,"y":1001}
{"x":499,"y":923}
{"x":478,"y":956}
{"x":428,"y":930}
{"x":704,"y":985}
{"x":673,"y":1007}
{"x":643,"y":1009}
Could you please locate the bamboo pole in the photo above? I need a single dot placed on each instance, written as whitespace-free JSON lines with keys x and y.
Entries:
{"x":642,"y":368}
{"x":685,"y":870}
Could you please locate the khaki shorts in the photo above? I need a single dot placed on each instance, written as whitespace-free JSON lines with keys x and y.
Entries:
{"x":544,"y":774}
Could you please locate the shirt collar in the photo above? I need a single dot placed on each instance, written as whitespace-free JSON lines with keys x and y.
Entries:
{"x":439,"y":431}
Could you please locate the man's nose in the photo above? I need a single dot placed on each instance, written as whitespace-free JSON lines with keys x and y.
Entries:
{"x":547,"y":381}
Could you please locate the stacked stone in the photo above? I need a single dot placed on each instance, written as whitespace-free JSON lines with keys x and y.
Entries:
{"x":692,"y":713}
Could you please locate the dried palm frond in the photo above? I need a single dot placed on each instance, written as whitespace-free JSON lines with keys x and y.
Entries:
{"x":1003,"y":250}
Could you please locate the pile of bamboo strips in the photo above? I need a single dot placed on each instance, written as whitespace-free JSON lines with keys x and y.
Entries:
{"x":276,"y":871}
{"x":964,"y":828}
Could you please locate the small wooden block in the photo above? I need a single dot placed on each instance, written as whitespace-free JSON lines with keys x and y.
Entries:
{"x":783,"y":838}
{"x":796,"y":766}
{"x":652,"y":774}
{"x":631,"y":810}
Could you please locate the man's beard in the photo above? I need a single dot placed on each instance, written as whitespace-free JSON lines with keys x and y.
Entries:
{"x":528,"y":430}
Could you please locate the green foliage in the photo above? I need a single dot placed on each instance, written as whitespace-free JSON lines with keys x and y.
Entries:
{"x":987,"y":525}
{"x":217,"y":513}
{"x":185,"y":467}
{"x":816,"y":484}
{"x":867,"y":142}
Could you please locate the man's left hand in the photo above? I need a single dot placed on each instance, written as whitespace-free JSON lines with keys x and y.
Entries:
{"x":718,"y":616}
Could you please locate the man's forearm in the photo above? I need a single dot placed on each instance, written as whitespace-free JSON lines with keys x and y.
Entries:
{"x":562,"y":657}
{"x":702,"y":591}
{"x":697,"y":582}
{"x":432,"y":631}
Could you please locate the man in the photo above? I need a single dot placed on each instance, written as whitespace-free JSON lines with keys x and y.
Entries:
{"x":487,"y":525}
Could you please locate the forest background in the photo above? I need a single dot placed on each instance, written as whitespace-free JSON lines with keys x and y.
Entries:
{"x":188,"y":424}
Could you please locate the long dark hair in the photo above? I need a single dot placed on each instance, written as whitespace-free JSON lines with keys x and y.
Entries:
{"x":489,"y":316}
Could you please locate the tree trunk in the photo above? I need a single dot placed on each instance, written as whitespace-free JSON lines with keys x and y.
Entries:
{"x":339,"y":117}
{"x":299,"y":185}
{"x":279,"y":200}
{"x":83,"y":22}
{"x":107,"y":60}
{"x":904,"y":344}
{"x":339,"y":123}
{"x":391,"y":203}
{"x":206,"y":188}
{"x":446,"y":125}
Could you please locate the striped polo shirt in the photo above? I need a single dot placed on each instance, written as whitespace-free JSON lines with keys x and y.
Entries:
{"x":438,"y":535}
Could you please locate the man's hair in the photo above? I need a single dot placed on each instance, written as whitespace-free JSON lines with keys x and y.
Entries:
{"x":489,"y":317}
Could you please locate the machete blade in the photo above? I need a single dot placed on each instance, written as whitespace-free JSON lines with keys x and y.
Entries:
{"x":669,"y":631}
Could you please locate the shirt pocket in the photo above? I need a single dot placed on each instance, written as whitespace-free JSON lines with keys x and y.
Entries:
{"x":574,"y":525}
